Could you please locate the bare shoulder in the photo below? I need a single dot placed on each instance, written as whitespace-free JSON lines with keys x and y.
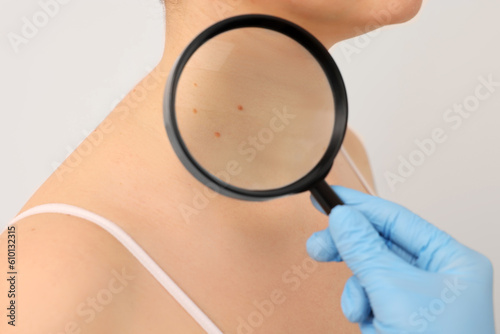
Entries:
{"x":354,"y":146}
{"x":60,"y":264}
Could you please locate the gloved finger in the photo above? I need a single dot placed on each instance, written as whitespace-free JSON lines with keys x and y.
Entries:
{"x":421,"y":239}
{"x":360,"y":245}
{"x":367,"y":327}
{"x":398,"y":250}
{"x":320,"y":247}
{"x":354,"y":301}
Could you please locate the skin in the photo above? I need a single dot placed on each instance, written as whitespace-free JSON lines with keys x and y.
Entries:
{"x":225,"y":255}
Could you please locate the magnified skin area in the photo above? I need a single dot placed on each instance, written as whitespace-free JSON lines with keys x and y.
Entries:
{"x":288,"y":121}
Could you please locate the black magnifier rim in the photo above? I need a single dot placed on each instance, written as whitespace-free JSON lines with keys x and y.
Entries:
{"x":316,"y":49}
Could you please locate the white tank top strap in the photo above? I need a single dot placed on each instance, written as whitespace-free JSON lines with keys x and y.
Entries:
{"x":179,"y":295}
{"x":358,"y":173}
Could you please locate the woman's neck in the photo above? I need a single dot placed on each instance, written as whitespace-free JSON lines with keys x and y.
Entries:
{"x":168,"y":187}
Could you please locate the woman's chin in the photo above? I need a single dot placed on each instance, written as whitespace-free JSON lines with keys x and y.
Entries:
{"x":406,"y":10}
{"x":390,"y":12}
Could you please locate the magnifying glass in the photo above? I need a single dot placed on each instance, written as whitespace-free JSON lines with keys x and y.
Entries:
{"x":256,"y":108}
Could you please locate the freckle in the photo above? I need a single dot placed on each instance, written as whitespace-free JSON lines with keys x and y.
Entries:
{"x":195,"y":110}
{"x":217,"y":134}
{"x":240,"y":107}
{"x":195,"y":84}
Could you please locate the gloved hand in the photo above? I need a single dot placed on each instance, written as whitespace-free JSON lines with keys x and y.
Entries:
{"x":409,"y":276}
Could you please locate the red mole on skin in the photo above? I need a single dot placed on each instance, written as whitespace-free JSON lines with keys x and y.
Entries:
{"x":195,"y":110}
{"x":240,"y":107}
{"x":217,"y":134}
{"x":195,"y":84}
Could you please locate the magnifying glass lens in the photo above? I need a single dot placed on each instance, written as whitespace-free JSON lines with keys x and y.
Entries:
{"x":254,"y":109}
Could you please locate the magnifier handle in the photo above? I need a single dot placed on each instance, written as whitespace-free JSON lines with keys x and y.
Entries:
{"x":325,"y":196}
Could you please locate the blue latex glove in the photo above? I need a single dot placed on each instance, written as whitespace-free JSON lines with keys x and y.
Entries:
{"x":409,"y":276}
